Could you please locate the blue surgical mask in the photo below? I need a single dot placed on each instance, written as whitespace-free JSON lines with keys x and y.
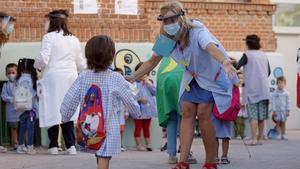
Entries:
{"x":172,"y":29}
{"x":9,"y":28}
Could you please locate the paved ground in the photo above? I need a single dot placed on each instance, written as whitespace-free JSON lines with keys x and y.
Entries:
{"x":272,"y":155}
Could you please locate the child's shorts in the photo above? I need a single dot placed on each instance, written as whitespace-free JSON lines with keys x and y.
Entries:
{"x":280,"y":116}
{"x":122,"y":128}
{"x":13,"y":125}
{"x":258,"y":111}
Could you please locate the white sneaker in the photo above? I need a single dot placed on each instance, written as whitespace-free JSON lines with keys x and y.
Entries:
{"x":72,"y":150}
{"x":3,"y":149}
{"x":278,"y":137}
{"x":30,"y":150}
{"x":53,"y":151}
{"x":21,"y":149}
{"x":283,"y":137}
{"x":172,"y":159}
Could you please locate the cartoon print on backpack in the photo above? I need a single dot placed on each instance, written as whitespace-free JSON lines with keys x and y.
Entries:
{"x":90,"y":127}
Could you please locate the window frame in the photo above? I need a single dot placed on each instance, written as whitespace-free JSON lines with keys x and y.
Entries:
{"x":285,"y":29}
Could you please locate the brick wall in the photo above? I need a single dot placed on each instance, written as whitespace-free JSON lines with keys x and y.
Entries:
{"x":229,"y":20}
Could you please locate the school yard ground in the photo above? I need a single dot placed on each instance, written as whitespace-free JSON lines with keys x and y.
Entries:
{"x":272,"y":155}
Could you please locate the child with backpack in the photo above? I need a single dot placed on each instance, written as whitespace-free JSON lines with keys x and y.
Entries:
{"x":123,"y":114}
{"x":12,"y":116}
{"x":99,"y":91}
{"x":146,"y":91}
{"x":281,"y":107}
{"x":25,"y":101}
{"x":223,"y":123}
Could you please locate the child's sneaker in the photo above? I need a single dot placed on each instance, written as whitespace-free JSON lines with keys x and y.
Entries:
{"x":172,"y":159}
{"x":53,"y":151}
{"x":3,"y":149}
{"x":15,"y":146}
{"x":122,"y":149}
{"x":30,"y":150}
{"x":283,"y":137}
{"x":163,"y":148}
{"x":21,"y":149}
{"x":278,"y":137}
{"x":140,"y":148}
{"x":239,"y":138}
{"x":72,"y":150}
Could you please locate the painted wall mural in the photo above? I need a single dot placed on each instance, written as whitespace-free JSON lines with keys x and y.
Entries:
{"x":128,"y":57}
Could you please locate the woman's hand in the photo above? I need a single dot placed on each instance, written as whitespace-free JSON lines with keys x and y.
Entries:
{"x":229,"y":69}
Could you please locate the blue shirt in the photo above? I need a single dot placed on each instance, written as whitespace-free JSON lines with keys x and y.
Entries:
{"x":7,"y":96}
{"x":148,"y":110}
{"x":206,"y":70}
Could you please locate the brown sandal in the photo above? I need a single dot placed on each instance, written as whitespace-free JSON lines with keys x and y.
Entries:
{"x":182,"y":165}
{"x":210,"y":166}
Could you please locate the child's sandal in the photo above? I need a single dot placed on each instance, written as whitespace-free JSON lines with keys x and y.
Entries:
{"x":224,"y":160}
{"x":217,"y":160}
{"x":210,"y":166}
{"x":182,"y":165}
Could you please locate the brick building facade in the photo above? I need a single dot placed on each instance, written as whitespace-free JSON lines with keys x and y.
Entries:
{"x":229,"y":20}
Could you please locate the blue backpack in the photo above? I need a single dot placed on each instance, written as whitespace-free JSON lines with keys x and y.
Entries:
{"x":272,"y":134}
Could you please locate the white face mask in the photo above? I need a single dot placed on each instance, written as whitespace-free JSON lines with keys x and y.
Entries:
{"x":172,"y":29}
{"x":47,"y":25}
{"x":10,"y":28}
{"x":11,"y":77}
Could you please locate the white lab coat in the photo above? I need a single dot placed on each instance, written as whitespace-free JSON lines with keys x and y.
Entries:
{"x":60,"y":59}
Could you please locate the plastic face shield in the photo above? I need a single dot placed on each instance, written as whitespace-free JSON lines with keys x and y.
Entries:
{"x":5,"y":21}
{"x":58,"y":15}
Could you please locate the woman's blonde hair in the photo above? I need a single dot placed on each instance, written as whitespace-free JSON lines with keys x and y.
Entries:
{"x":3,"y":36}
{"x":186,"y":24}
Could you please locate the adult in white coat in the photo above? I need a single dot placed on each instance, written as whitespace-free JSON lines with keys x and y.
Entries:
{"x":60,"y":59}
{"x":6,"y":28}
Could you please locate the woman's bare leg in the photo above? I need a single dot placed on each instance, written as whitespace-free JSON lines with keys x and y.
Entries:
{"x":187,"y":129}
{"x":207,"y":131}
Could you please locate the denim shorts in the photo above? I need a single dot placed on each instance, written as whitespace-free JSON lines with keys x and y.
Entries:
{"x":197,"y":94}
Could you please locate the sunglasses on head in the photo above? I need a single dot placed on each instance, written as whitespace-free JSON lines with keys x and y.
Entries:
{"x":163,"y":18}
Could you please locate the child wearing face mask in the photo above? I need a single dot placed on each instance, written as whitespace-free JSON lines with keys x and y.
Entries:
{"x":12,"y":117}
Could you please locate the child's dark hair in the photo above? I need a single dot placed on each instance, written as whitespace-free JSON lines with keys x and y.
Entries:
{"x":26,"y":66}
{"x":282,"y":79}
{"x":253,"y":42}
{"x":100,"y":52}
{"x":58,"y":21}
{"x":119,"y":70}
{"x":11,"y":65}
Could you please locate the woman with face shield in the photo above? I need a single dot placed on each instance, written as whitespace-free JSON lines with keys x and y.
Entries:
{"x":7,"y":27}
{"x":207,"y":79}
{"x":60,"y":59}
